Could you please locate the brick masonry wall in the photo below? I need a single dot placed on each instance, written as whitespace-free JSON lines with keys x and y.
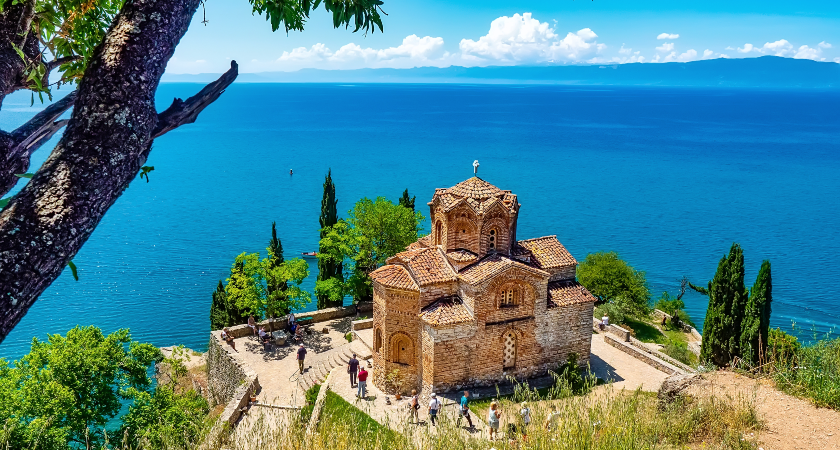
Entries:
{"x":226,"y":371}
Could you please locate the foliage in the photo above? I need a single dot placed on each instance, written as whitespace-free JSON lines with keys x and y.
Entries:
{"x":611,"y":279}
{"x":69,"y":31}
{"x":407,"y":201}
{"x":165,"y":419}
{"x":374,"y":231}
{"x":756,"y":325}
{"x":293,"y":14}
{"x":247,"y":285}
{"x":814,"y":371}
{"x":615,"y":312}
{"x":569,"y":374}
{"x":675,"y":307}
{"x":343,"y":420}
{"x":646,"y":332}
{"x":680,"y":352}
{"x":311,"y":396}
{"x":223,"y":311}
{"x":724,"y":317}
{"x":330,"y":273}
{"x":782,"y":348}
{"x":66,"y":389}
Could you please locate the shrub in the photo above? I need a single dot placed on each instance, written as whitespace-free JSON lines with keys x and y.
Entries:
{"x":812,"y":371}
{"x":311,"y":396}
{"x":614,"y":311}
{"x":782,"y":348}
{"x":680,"y":352}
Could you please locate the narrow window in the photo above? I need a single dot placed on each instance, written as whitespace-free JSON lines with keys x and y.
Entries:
{"x":508,"y":298}
{"x":438,"y":232}
{"x":377,"y":340}
{"x":492,"y":239}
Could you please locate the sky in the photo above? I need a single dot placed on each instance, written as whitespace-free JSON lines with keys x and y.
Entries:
{"x":526,"y":32}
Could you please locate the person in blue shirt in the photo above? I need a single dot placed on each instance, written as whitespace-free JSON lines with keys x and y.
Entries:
{"x":464,"y":410}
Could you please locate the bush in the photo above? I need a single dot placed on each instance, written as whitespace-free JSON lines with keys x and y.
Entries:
{"x":812,"y":371}
{"x":614,"y":311}
{"x":680,"y":352}
{"x":675,"y":308}
{"x":569,"y":375}
{"x":311,"y":396}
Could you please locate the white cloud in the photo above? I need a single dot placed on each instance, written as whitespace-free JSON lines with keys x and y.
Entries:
{"x":625,"y":51}
{"x":690,"y":55}
{"x":707,"y":54}
{"x":837,"y":60}
{"x":666,"y":47}
{"x":806,"y":52}
{"x":779,"y":48}
{"x":413,"y":51}
{"x":521,"y":38}
{"x":747,"y":48}
{"x":668,"y":36}
{"x":824,"y":44}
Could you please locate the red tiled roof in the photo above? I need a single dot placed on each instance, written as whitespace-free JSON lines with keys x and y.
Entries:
{"x":462,"y":256}
{"x":479,"y":194}
{"x":492,"y":265}
{"x":394,"y":276}
{"x":446,"y":311}
{"x":565,"y":293}
{"x":545,"y":253}
{"x":426,"y":265}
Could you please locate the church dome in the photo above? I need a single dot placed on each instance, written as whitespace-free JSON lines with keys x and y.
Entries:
{"x":475,"y":188}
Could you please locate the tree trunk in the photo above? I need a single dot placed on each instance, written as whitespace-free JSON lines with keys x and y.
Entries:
{"x":107,"y":140}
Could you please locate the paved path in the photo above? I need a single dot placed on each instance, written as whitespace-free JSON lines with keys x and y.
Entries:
{"x":623,"y":370}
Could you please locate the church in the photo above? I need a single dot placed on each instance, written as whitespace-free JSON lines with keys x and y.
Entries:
{"x":470,"y":304}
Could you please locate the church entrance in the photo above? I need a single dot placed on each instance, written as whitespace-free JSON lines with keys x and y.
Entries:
{"x":510,"y":350}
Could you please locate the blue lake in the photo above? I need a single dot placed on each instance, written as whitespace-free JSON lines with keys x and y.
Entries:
{"x":667,"y":177}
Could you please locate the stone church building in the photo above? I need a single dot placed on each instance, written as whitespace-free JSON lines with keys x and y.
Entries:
{"x":470,"y":304}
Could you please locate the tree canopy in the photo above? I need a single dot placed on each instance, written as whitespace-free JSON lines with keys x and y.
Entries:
{"x":330,"y":272}
{"x":109,"y":136}
{"x":374,"y":231}
{"x":67,"y":388}
{"x":613,"y":280}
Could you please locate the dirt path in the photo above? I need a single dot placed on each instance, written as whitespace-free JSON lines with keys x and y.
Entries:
{"x":790,"y":422}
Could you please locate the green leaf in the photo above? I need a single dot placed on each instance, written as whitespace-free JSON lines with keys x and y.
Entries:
{"x":4,"y":202}
{"x":73,"y":270}
{"x":24,"y":175}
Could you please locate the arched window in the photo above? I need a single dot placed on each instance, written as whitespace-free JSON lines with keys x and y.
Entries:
{"x":492,"y":239}
{"x":509,"y":298}
{"x":377,"y":340}
{"x":402,"y":350}
{"x":438,"y":232}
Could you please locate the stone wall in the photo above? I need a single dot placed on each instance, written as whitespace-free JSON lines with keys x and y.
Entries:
{"x":645,"y":357}
{"x":226,"y":371}
{"x":365,"y":324}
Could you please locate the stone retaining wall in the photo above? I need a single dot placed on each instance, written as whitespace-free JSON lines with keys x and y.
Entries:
{"x":361,"y":324}
{"x":642,"y":356}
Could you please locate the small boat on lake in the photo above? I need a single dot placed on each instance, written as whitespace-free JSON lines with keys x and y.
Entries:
{"x":310,"y":254}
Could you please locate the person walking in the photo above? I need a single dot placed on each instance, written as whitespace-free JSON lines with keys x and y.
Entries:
{"x":362,"y":391}
{"x":414,"y":406}
{"x":353,"y":369}
{"x":301,"y":355}
{"x":434,"y":407}
{"x":464,"y":410}
{"x":493,"y":419}
{"x":525,"y":417}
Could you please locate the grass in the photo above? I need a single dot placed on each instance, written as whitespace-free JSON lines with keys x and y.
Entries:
{"x":349,"y":427}
{"x":646,"y":332}
{"x":311,"y":395}
{"x":813,"y":372}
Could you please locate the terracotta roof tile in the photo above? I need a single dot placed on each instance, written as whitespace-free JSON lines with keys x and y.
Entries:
{"x":394,"y":276}
{"x":479,"y":194}
{"x":545,"y":253}
{"x":565,"y":293}
{"x":490,"y":266}
{"x":427,"y":265}
{"x":462,"y":256}
{"x":446,"y":311}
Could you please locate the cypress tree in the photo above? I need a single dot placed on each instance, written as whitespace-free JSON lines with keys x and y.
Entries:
{"x":275,"y":259}
{"x":725,"y":315}
{"x":329,"y":217}
{"x":218,"y":309}
{"x":407,"y":201}
{"x":756,"y":324}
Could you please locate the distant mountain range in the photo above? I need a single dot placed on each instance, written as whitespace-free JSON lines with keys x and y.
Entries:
{"x":763,"y":72}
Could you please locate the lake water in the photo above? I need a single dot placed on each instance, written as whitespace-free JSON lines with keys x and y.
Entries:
{"x":667,"y":177}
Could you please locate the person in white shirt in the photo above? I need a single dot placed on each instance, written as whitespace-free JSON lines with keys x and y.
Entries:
{"x":434,"y":407}
{"x":605,"y":321}
{"x":525,"y":414}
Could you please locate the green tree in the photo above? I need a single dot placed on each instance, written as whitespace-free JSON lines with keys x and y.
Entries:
{"x":612,"y":280}
{"x":407,"y":201}
{"x":219,"y":316}
{"x":725,"y":314}
{"x":756,"y":325}
{"x":374,"y":231}
{"x":275,"y":257}
{"x":109,"y":137}
{"x":62,"y":394}
{"x":170,"y":417}
{"x":247,"y":287}
{"x":330,"y":272}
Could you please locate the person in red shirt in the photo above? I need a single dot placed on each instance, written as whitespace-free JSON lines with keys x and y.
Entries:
{"x":362,"y":391}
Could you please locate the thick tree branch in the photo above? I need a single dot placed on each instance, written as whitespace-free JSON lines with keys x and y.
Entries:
{"x":28,"y":138}
{"x":109,"y":132}
{"x":184,"y":112}
{"x":25,"y":22}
